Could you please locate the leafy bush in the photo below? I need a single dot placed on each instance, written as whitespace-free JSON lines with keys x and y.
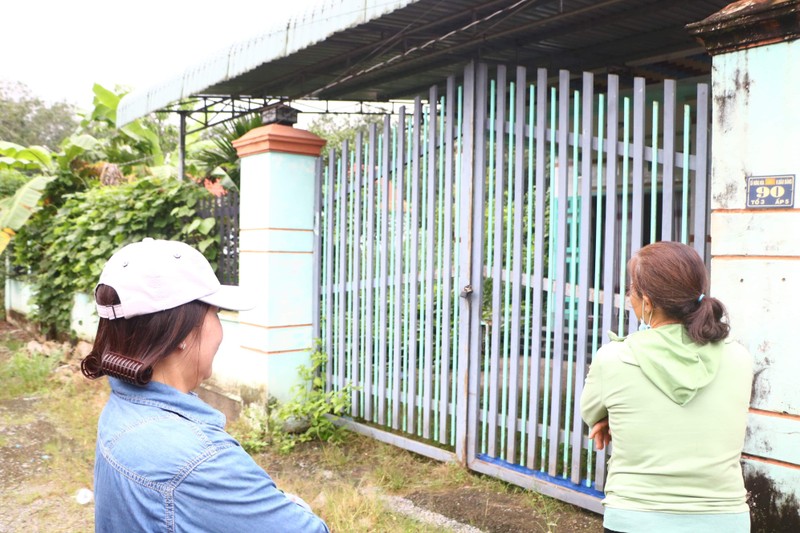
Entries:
{"x":308,"y":407}
{"x":65,"y":251}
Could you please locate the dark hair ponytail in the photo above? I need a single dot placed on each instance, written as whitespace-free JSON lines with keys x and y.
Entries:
{"x":705,"y":324}
{"x":674,"y":277}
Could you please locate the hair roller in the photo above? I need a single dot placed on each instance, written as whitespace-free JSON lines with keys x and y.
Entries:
{"x":126,"y":369}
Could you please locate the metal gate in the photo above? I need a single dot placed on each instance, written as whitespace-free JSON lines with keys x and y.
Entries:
{"x":471,"y":259}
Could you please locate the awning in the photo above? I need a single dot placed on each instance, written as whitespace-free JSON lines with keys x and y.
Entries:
{"x":378,"y":50}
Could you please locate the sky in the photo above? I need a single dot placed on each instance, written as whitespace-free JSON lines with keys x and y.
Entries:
{"x":59,"y":49}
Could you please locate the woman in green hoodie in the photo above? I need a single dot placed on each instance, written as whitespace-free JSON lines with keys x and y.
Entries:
{"x":675,"y":395}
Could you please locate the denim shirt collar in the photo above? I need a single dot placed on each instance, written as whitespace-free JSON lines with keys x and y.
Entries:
{"x":168,"y":398}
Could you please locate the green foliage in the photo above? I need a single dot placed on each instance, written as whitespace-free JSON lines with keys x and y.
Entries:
{"x":25,"y":374}
{"x":27,"y":120}
{"x":10,"y":181}
{"x":18,"y":157}
{"x":309,"y":404}
{"x":65,"y":252}
{"x":16,"y":209}
{"x":217,"y":157}
{"x":251,"y":428}
{"x":337,"y":129}
{"x":134,"y":147}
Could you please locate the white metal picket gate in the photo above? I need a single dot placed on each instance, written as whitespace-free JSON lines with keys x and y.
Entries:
{"x":470,"y":261}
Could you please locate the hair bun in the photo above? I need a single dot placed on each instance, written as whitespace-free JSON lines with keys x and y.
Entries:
{"x":126,"y":369}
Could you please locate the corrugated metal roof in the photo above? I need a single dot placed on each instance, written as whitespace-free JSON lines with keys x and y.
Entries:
{"x":301,"y":31}
{"x":383,"y":49}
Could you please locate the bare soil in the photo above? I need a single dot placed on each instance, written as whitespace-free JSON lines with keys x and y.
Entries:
{"x":42,"y":468}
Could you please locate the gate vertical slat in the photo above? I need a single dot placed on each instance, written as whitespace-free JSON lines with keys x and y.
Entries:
{"x":490,"y":125}
{"x":497,"y":262}
{"x":349,"y":227}
{"x":462,"y":404}
{"x":551,"y":265}
{"x":384,"y":280}
{"x":687,"y":135}
{"x":654,"y":175}
{"x":316,"y":285}
{"x":407,"y":288}
{"x":440,"y":274}
{"x":370,"y":276}
{"x":516,"y":271}
{"x":572,"y":261}
{"x":422,"y":269}
{"x":429,"y":274}
{"x":637,"y":211}
{"x":397,"y":349}
{"x":329,"y":236}
{"x":598,"y":255}
{"x":623,"y":247}
{"x":413,"y":281}
{"x":701,"y":169}
{"x":637,"y":208}
{"x":355,"y":317}
{"x":528,"y":353}
{"x":538,"y":263}
{"x":560,"y":259}
{"x":465,"y":252}
{"x":475,"y":300}
{"x":612,"y":134}
{"x":343,"y":215}
{"x":584,"y":262}
{"x":456,"y":265}
{"x":447,"y":272}
{"x":507,"y":224}
{"x":668,"y":174}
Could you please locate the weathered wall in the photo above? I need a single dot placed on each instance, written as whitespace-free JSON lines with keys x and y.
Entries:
{"x":755,"y":265}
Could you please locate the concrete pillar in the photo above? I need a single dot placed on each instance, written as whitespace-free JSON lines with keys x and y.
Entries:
{"x":278,"y":174}
{"x":755,"y":232}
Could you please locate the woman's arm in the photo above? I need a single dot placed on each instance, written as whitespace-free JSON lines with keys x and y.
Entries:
{"x":593,"y":408}
{"x":230,"y":492}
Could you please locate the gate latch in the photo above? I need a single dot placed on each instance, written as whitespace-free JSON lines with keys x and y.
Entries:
{"x":466,"y":292}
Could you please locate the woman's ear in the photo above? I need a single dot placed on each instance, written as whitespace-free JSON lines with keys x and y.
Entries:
{"x":647,"y":304}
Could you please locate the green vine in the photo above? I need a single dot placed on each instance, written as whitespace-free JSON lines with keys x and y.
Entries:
{"x":64,"y":249}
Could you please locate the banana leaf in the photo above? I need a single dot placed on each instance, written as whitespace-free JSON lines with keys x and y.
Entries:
{"x":15,"y":210}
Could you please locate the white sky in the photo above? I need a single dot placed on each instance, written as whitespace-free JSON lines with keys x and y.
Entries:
{"x":61,"y":48}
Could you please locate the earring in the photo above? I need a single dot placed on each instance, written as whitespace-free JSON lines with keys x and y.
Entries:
{"x":182,"y":346}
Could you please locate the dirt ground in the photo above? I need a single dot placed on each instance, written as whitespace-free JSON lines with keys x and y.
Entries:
{"x":44,"y":465}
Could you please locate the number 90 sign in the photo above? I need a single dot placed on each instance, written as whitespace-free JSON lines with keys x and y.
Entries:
{"x":770,"y":191}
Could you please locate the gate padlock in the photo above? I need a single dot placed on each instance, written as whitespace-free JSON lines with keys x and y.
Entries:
{"x":466,"y":291}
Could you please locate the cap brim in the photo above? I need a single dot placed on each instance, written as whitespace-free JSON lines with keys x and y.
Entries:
{"x":230,"y":297}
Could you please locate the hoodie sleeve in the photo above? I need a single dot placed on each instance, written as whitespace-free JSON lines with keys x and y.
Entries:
{"x":593,"y":408}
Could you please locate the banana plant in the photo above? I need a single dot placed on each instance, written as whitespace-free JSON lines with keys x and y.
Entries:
{"x":17,"y":209}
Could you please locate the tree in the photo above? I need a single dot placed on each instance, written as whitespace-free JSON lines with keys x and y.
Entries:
{"x":28,"y":121}
{"x":337,"y":129}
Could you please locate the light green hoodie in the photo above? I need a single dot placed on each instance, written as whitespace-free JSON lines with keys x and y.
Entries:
{"x":677,"y":413}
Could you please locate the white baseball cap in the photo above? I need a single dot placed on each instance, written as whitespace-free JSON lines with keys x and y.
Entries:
{"x":155,"y":275}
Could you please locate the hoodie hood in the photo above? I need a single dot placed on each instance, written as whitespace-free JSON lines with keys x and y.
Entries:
{"x":673,"y":362}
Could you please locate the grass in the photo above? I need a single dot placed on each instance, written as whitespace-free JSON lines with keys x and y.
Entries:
{"x":25,"y":374}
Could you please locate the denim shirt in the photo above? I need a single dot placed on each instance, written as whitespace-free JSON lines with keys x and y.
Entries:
{"x":164,"y":463}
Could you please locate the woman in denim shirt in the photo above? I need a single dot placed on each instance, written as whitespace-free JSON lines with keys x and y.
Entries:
{"x":164,"y":461}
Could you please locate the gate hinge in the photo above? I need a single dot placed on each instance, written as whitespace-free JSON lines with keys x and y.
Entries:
{"x":466,"y":292}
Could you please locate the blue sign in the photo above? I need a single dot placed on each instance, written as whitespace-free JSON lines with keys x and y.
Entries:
{"x":770,"y":191}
